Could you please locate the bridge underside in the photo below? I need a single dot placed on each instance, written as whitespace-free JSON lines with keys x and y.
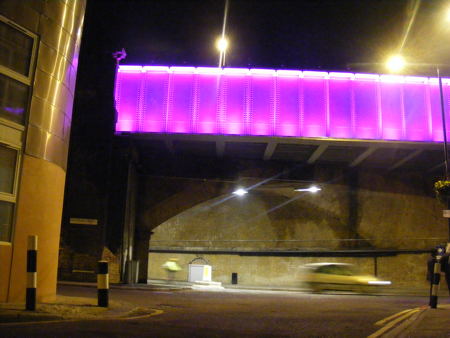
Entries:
{"x":386,"y":155}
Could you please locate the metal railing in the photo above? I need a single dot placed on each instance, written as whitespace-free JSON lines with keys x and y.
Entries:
{"x":298,"y":244}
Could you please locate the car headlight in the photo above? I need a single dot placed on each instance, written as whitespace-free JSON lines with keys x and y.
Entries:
{"x":379,"y":282}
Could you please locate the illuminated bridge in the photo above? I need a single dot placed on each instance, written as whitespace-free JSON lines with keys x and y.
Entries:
{"x":307,"y":116}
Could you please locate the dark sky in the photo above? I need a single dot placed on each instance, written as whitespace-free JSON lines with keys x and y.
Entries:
{"x":298,"y":34}
{"x":328,"y":35}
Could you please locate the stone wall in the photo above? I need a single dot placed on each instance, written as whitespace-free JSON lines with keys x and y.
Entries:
{"x":378,"y":211}
{"x":405,"y":271}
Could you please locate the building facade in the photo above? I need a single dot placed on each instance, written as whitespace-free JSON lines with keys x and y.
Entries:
{"x":39,"y":46}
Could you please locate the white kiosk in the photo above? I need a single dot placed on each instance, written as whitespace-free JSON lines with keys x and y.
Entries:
{"x":200,"y":275}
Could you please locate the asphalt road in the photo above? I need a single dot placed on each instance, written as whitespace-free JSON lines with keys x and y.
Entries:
{"x":233,"y":313}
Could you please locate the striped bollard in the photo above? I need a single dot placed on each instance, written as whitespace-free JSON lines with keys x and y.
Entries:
{"x":31,"y":273}
{"x":435,"y":279}
{"x":102,"y":283}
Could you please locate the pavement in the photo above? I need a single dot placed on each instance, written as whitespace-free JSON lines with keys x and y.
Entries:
{"x":418,"y":322}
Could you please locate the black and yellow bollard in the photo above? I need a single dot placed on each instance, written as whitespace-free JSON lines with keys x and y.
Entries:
{"x":435,"y":279}
{"x":102,"y":283}
{"x":30,"y":303}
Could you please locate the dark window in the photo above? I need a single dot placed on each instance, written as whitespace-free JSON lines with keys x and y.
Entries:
{"x":8,"y":158}
{"x":13,"y":99}
{"x":16,"y":49}
{"x":6,"y":218}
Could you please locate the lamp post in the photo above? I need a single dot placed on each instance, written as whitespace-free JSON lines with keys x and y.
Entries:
{"x":396,"y":63}
{"x":222,"y":42}
{"x":444,"y":129}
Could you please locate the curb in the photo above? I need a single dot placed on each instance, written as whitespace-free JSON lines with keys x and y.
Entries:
{"x":127,"y":287}
{"x":154,"y":312}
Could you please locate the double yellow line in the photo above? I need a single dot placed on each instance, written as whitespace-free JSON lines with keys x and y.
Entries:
{"x":389,"y":322}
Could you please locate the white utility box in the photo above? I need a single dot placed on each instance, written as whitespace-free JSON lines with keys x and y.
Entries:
{"x":199,"y":273}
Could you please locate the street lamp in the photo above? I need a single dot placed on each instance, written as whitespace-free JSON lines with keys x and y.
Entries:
{"x":222,"y":42}
{"x":313,"y":189}
{"x":395,"y":63}
{"x":222,"y":46}
{"x":240,"y":192}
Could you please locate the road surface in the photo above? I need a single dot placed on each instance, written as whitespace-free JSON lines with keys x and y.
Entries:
{"x":232,"y":313}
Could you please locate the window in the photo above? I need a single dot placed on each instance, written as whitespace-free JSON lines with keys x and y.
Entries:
{"x":8,"y":160}
{"x":13,"y":99}
{"x":17,"y":59}
{"x":342,"y":270}
{"x":16,"y":49}
{"x":6,"y":220}
{"x":17,"y":54}
{"x":8,"y":178}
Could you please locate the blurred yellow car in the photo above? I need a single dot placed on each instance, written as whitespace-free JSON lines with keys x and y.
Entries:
{"x":320,"y":277}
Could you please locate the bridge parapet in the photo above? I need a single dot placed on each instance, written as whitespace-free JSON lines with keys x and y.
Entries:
{"x":281,"y":103}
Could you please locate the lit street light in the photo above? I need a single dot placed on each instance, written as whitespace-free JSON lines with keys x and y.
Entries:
{"x":222,"y":46}
{"x":240,"y":192}
{"x":222,"y":42}
{"x":396,"y":63}
{"x":313,"y":189}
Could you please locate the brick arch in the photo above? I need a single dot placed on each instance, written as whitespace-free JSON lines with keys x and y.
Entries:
{"x":163,"y":198}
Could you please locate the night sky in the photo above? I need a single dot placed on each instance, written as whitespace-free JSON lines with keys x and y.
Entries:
{"x":328,"y":35}
{"x":332,"y":35}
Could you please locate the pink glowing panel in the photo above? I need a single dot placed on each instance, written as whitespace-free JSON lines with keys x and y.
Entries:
{"x":287,"y":121}
{"x":435,"y":107}
{"x":127,"y":100}
{"x":367,"y":122}
{"x":235,"y":103}
{"x":416,"y":112}
{"x":341,"y":105}
{"x":154,"y":101}
{"x":392,"y":110}
{"x":446,"y":94}
{"x":208,"y":85}
{"x":279,"y":103}
{"x":436,"y":115}
{"x":180,"y":102}
{"x":261,"y":119}
{"x":314,"y":106}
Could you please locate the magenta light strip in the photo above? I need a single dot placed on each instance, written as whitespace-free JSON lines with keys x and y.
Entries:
{"x":284,"y":103}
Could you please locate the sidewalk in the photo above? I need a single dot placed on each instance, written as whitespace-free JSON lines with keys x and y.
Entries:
{"x":431,"y":323}
{"x":66,"y":308}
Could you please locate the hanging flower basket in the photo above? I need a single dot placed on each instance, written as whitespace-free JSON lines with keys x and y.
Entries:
{"x":442,"y":189}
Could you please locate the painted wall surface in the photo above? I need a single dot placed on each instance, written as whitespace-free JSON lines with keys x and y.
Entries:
{"x":393,"y":211}
{"x":5,"y":258}
{"x":44,"y":182}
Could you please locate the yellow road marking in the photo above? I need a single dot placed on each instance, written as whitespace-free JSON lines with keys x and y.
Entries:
{"x":155,"y":313}
{"x":394,"y":322}
{"x":385,"y":320}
